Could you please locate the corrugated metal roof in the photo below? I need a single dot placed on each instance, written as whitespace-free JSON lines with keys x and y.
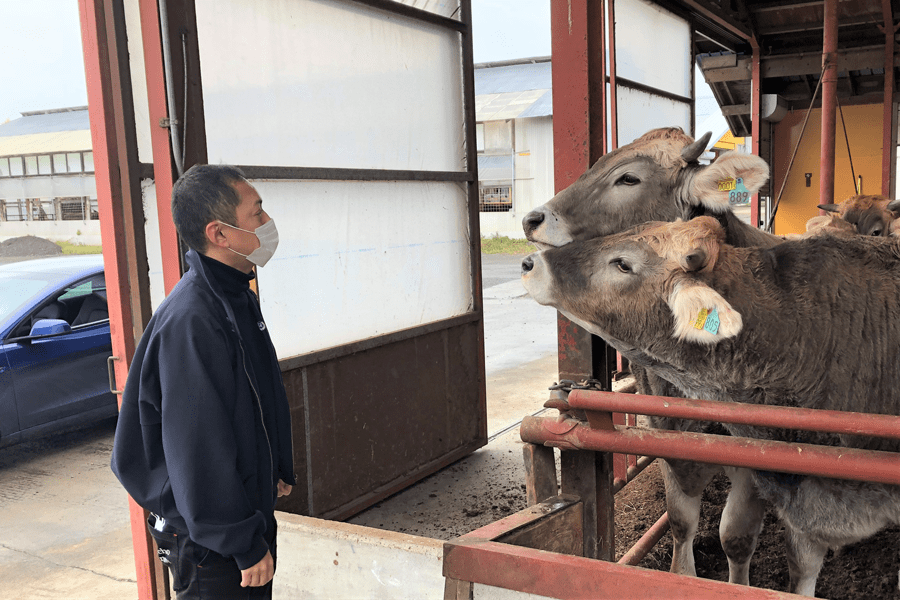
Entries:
{"x":70,"y":120}
{"x":513,"y":91}
{"x":513,"y":78}
{"x":45,"y":143}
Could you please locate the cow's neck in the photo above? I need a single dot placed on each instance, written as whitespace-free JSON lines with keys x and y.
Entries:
{"x":737,"y":233}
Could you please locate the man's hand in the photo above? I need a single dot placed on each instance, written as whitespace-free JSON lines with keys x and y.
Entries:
{"x":283,"y":488}
{"x":259,"y":574}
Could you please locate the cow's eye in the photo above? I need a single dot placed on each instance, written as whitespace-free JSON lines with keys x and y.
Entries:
{"x":620,"y":264}
{"x":876,"y":232}
{"x":628,"y":179}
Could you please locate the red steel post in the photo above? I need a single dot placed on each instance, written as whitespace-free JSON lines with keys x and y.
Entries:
{"x":163,"y":171}
{"x":101,"y":35}
{"x":829,"y":103}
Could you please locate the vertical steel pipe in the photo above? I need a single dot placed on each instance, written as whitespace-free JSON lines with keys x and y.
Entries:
{"x":887,"y":127}
{"x":829,"y":102}
{"x":755,"y":99}
{"x":613,"y":100}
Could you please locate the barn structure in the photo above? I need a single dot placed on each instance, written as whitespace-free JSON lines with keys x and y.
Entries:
{"x":361,"y":114}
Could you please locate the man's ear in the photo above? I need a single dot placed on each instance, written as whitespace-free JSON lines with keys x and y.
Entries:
{"x":214,"y":236}
{"x":702,"y":315}
{"x":731,"y":174}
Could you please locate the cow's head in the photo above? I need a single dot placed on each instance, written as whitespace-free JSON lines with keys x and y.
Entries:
{"x":639,"y":287}
{"x":870,"y":215}
{"x":655,"y":178}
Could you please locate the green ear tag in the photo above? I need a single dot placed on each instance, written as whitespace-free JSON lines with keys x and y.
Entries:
{"x":712,"y":322}
{"x":740,"y":194}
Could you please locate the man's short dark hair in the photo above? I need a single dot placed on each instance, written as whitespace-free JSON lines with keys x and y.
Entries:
{"x":203,"y":194}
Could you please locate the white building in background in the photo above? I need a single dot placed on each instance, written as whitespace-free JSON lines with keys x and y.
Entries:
{"x":514,"y":116}
{"x":47,"y":186}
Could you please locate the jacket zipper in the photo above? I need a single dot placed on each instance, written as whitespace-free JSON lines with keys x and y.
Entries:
{"x":262,"y":417}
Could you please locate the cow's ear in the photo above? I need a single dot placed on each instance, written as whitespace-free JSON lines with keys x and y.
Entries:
{"x":702,"y":315}
{"x":732,"y":174}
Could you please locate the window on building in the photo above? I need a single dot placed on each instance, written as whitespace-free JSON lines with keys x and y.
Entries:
{"x":43,"y":209}
{"x":88,"y":162}
{"x":95,"y":210}
{"x":4,"y":167}
{"x":31,"y":165}
{"x":44,"y":163}
{"x":479,"y":136}
{"x":59,"y":163}
{"x":15,"y":166}
{"x":74,"y":161}
{"x":14,"y":210}
{"x":495,"y":198}
{"x":72,"y":209}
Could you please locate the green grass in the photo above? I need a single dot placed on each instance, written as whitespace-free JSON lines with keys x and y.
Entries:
{"x":68,"y":248}
{"x":505,"y":245}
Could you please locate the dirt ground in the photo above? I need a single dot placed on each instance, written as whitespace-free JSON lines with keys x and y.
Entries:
{"x":28,"y":245}
{"x":867,"y":570}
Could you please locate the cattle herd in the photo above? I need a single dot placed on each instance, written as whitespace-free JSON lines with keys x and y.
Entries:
{"x":644,"y":251}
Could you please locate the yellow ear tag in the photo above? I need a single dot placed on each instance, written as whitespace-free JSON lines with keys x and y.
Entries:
{"x":701,"y":319}
{"x":726,"y":185}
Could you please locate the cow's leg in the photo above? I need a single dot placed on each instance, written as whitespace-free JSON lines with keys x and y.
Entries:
{"x":742,"y":521}
{"x":684,"y":483}
{"x":805,"y":558}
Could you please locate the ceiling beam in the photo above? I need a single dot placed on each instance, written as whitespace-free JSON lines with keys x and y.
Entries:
{"x":804,"y":64}
{"x":715,"y":14}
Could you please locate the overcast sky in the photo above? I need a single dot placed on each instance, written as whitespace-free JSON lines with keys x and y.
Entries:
{"x":40,"y":42}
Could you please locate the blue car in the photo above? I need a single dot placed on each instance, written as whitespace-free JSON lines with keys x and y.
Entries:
{"x":54,"y":346}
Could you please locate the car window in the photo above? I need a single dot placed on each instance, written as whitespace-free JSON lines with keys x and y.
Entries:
{"x":97,"y":283}
{"x":82,"y":303}
{"x":16,"y":292}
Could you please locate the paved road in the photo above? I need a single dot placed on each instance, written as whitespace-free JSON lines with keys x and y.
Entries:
{"x":500,"y":268}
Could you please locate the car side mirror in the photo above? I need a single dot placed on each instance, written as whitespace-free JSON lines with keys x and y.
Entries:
{"x":45,"y":327}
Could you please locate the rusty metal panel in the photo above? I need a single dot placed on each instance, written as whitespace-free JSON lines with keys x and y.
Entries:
{"x":367,"y":425}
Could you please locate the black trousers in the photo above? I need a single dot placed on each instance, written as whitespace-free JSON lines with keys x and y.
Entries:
{"x":199,"y":573}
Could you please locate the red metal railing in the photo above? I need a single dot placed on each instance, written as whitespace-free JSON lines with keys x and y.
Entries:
{"x":825,"y":461}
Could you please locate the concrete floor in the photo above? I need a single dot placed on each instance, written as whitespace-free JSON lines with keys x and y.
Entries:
{"x":64,"y":524}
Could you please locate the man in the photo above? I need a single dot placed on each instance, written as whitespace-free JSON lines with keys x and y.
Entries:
{"x":203,"y":440}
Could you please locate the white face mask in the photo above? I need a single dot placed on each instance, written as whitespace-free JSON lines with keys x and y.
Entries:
{"x":267,"y":235}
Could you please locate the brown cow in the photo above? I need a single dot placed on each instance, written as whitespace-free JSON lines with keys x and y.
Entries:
{"x":871,"y":215}
{"x":827,"y":302}
{"x":657,"y":178}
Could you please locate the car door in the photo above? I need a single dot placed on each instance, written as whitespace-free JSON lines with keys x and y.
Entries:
{"x":64,"y":376}
{"x":9,"y":419}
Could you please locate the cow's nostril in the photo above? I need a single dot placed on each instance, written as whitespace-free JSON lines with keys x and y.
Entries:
{"x":527,"y":264}
{"x":532,"y":220}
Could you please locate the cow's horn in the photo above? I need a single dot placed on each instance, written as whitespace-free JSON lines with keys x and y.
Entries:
{"x":894,"y":205}
{"x":830,"y":207}
{"x":693,"y":151}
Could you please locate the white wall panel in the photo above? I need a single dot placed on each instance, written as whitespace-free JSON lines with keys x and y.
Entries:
{"x":326,"y":83}
{"x":653,"y":47}
{"x":154,"y":246}
{"x":361,"y":259}
{"x":138,"y":80}
{"x":640,"y":112}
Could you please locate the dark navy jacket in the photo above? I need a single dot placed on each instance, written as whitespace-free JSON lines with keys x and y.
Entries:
{"x":191,"y":444}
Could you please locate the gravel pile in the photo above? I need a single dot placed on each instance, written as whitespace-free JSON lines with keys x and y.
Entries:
{"x":29,"y":245}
